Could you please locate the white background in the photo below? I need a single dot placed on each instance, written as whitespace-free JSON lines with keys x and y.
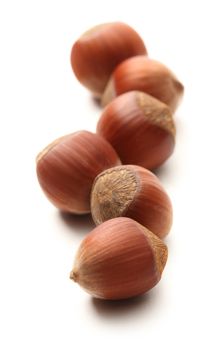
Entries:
{"x":40,"y":99}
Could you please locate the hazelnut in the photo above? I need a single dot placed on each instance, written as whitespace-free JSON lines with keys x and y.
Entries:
{"x":140,"y":128}
{"x":134,"y":192}
{"x":67,"y":168}
{"x":119,"y":259}
{"x":147,"y":75}
{"x":98,"y":51}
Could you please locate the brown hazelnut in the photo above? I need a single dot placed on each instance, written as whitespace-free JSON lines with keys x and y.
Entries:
{"x":140,"y":128}
{"x":119,"y":259}
{"x":67,"y":168}
{"x":98,"y":51}
{"x":134,"y":192}
{"x":147,"y":75}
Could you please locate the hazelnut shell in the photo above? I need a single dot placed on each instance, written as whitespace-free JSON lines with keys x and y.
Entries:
{"x":98,"y":51}
{"x":140,"y":128}
{"x":67,"y":168}
{"x":134,"y":192}
{"x":147,"y":75}
{"x":118,"y":260}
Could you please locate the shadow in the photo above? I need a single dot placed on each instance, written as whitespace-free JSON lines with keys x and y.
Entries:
{"x":168,"y":240}
{"x":179,"y":122}
{"x":96,"y":101}
{"x":164,"y":171}
{"x":124,"y":308}
{"x":83,"y":224}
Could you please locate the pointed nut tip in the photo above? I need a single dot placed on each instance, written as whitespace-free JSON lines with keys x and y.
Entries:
{"x":73,"y":276}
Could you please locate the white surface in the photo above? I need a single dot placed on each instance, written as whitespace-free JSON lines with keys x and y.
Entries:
{"x":40,"y":308}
